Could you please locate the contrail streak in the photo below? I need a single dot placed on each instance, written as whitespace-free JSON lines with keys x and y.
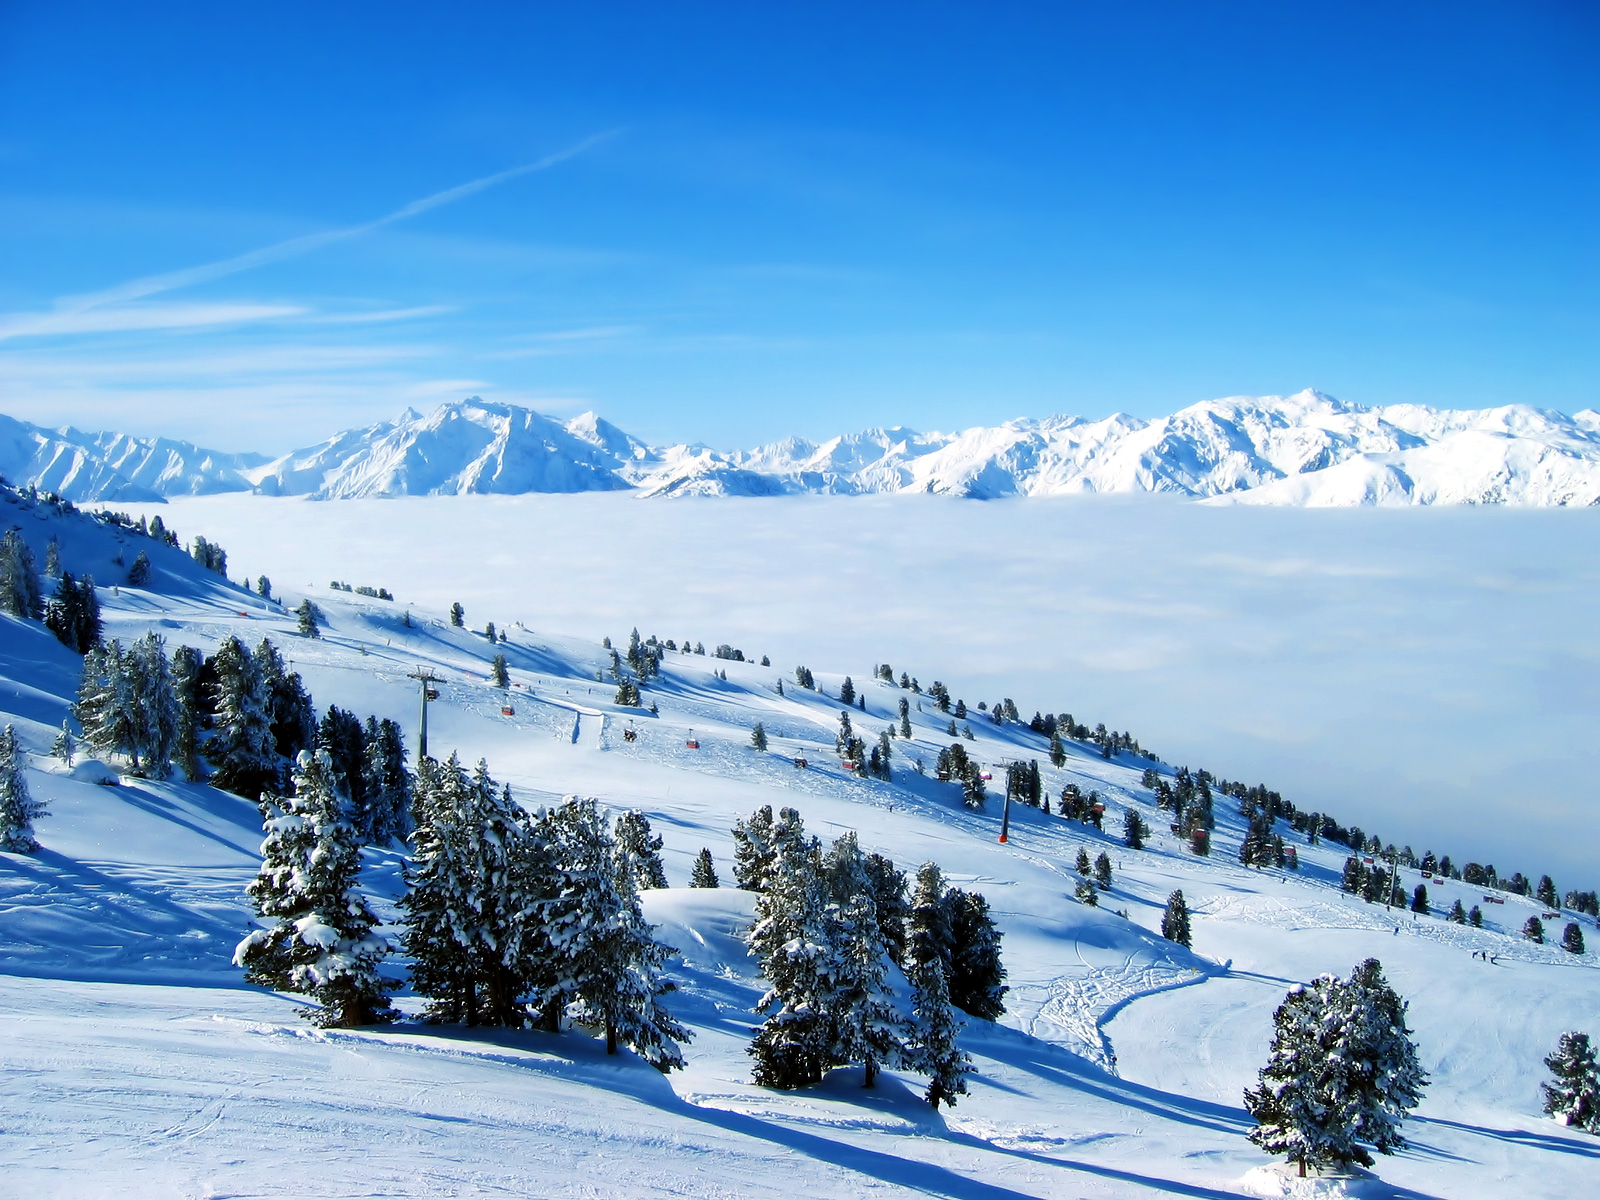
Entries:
{"x":152,"y":285}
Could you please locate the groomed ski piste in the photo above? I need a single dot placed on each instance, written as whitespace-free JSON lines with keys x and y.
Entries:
{"x":137,"y":1062}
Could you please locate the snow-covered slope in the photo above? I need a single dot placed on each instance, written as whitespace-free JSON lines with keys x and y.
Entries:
{"x":1305,"y":449}
{"x":1116,"y":1072}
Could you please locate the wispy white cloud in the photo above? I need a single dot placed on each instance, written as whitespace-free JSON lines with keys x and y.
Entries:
{"x":389,"y":314}
{"x":151,"y":285}
{"x":125,"y":317}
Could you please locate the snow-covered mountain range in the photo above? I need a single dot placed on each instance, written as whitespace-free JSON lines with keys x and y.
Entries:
{"x":1305,"y":449}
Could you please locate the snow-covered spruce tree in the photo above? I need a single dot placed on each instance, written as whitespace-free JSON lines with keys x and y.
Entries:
{"x":1086,"y":893}
{"x":1572,"y":938}
{"x":73,"y":613}
{"x":1341,"y":1075}
{"x":476,"y":876}
{"x":104,"y":705}
{"x":186,"y":665}
{"x":758,"y":736}
{"x":603,"y":956}
{"x":1458,"y":915}
{"x":340,"y":734}
{"x":52,"y":557}
{"x":1133,"y":830}
{"x":638,"y":853}
{"x":499,"y":672}
{"x":64,"y":747}
{"x":18,"y":809}
{"x":1534,"y":930}
{"x":867,"y":1029}
{"x":386,"y":783}
{"x":1175,"y":920}
{"x":889,"y":895}
{"x":977,"y":976}
{"x":307,"y":620}
{"x":934,"y":1050}
{"x":1102,"y":871}
{"x":154,"y":714}
{"x":20,"y":594}
{"x":458,"y":615}
{"x":241,"y":751}
{"x":319,"y":937}
{"x":291,"y":717}
{"x":1082,"y":864}
{"x":753,"y":853}
{"x":1573,"y":1094}
{"x":790,"y":939}
{"x":704,"y":874}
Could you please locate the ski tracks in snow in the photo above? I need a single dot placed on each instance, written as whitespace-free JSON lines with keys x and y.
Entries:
{"x":1078,"y":1006}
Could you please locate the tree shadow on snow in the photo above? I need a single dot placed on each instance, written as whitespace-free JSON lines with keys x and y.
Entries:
{"x":1522,"y":1137}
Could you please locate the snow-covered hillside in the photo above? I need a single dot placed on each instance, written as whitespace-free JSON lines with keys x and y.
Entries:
{"x":1305,"y":449}
{"x":1116,"y":1072}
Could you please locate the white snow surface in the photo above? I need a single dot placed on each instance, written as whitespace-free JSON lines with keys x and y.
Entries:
{"x":1304,"y":449}
{"x":138,"y":1064}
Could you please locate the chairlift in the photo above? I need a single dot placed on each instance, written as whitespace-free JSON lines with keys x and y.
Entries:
{"x":693,"y":743}
{"x":801,"y":764}
{"x":433,"y":693}
{"x":507,"y":711}
{"x":630,"y":734}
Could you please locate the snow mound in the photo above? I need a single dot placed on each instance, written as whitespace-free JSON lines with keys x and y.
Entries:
{"x":1280,"y":1180}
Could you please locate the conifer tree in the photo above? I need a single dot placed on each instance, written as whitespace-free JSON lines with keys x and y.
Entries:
{"x":186,"y":666}
{"x":52,"y":557}
{"x":20,"y":594}
{"x":1572,"y":938}
{"x":153,"y":715}
{"x":1534,"y":930}
{"x":847,"y":692}
{"x":307,"y":615}
{"x":319,"y":935}
{"x":386,"y":783}
{"x":241,"y":751}
{"x":866,"y":1026}
{"x":888,"y":885}
{"x":1058,"y":752}
{"x":1133,"y":830}
{"x":758,"y":736}
{"x":1102,"y":871}
{"x":1082,"y":865}
{"x":63,"y":748}
{"x":1458,"y":915}
{"x":977,"y":976}
{"x":1086,"y":894}
{"x":498,"y":672}
{"x":1573,"y":1094}
{"x":1475,"y":917}
{"x":638,"y":853}
{"x":458,"y":615}
{"x":139,"y":572}
{"x":1546,"y":892}
{"x":1175,"y":920}
{"x":1419,"y":900}
{"x":1341,"y":1075}
{"x":790,"y":939}
{"x":934,"y":1050}
{"x":704,"y":874}
{"x":18,"y":809}
{"x":603,"y":957}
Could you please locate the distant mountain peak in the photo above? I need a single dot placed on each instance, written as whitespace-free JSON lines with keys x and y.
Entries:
{"x":1307,"y":448}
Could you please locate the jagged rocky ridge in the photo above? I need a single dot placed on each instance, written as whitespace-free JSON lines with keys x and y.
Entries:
{"x":1306,"y":449}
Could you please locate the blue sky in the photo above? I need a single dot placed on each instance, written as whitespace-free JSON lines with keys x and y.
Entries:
{"x":768,"y":219}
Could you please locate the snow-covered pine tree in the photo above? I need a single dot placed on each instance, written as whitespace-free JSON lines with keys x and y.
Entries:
{"x":790,"y":938}
{"x":867,"y":1029}
{"x":307,"y":619}
{"x":1290,"y":1103}
{"x":52,"y":557}
{"x":241,"y":750}
{"x":18,"y":809}
{"x":104,"y":705}
{"x":1086,"y":893}
{"x":291,"y":717}
{"x":186,"y":666}
{"x":753,"y":852}
{"x":20,"y":593}
{"x":1572,"y":938}
{"x":1419,"y":900}
{"x":977,"y":976}
{"x":1133,"y":830}
{"x":386,"y":783}
{"x":1458,"y":915}
{"x":64,"y":747}
{"x":139,"y":571}
{"x":1102,"y":871}
{"x":1573,"y":1094}
{"x":1175,"y":920}
{"x":1082,"y":864}
{"x":458,"y":615}
{"x":889,"y":896}
{"x":638,"y":852}
{"x":442,"y":900}
{"x":603,"y":954}
{"x":499,"y":673}
{"x":934,"y":1050}
{"x":704,"y":874}
{"x":153,"y":715}
{"x":319,"y":936}
{"x":1533,"y":930}
{"x":758,"y":736}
